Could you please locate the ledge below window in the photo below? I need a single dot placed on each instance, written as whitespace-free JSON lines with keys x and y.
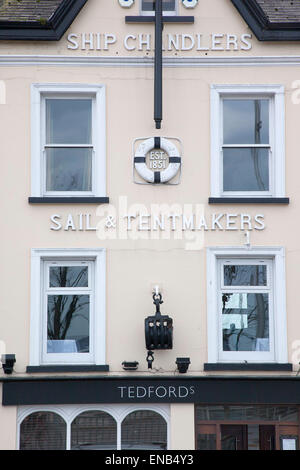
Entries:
{"x":75,"y":368}
{"x":248,"y":200}
{"x":68,"y":200}
{"x":248,"y":367}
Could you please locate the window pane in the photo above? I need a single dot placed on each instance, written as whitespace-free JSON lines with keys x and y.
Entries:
{"x":149,"y":5}
{"x":209,"y":413}
{"x":43,"y":431}
{"x":245,"y":322}
{"x":206,"y":442}
{"x":144,"y":430}
{"x":253,"y":436}
{"x":289,"y":442}
{"x":245,"y":275}
{"x":68,"y":323}
{"x":68,"y":276}
{"x":245,"y":169}
{"x":94,"y":430}
{"x":246,"y":121}
{"x":68,"y":121}
{"x":69,"y":169}
{"x":247,"y":413}
{"x":234,"y":437}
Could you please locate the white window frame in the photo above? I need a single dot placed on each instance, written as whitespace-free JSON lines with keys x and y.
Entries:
{"x":40,"y":92}
{"x":70,"y":412}
{"x":165,"y":13}
{"x":39,"y":257}
{"x":274,"y":255}
{"x":57,"y":358}
{"x":275,"y":94}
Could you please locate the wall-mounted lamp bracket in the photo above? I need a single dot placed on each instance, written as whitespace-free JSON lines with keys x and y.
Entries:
{"x":150,"y":359}
{"x":8,"y":361}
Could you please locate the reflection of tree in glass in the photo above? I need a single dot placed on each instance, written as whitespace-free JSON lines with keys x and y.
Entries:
{"x":257,"y":317}
{"x":255,"y":153}
{"x":64,"y":309}
{"x":243,"y":275}
{"x":68,"y":276}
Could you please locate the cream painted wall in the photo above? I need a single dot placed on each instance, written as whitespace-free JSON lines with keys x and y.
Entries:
{"x":181,"y":273}
{"x":134,"y":266}
{"x":8,"y":431}
{"x":182,"y":416}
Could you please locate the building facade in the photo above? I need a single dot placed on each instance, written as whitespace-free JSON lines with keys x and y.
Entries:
{"x":137,"y":184}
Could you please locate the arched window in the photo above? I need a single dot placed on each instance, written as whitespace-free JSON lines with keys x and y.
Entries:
{"x":43,"y":430}
{"x":145,"y":430}
{"x":94,"y":430}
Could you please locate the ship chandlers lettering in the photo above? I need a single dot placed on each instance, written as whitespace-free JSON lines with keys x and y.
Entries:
{"x":144,"y":42}
{"x":140,"y":392}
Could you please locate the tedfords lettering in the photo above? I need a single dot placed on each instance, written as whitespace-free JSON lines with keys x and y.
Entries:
{"x":139,"y":392}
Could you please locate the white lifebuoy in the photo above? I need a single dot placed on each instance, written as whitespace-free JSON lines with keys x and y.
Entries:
{"x":189,"y":3}
{"x":126,"y":3}
{"x":157,"y":177}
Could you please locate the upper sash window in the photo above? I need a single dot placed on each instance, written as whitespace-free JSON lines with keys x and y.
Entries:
{"x":247,"y":141}
{"x":68,"y":140}
{"x":246,"y":144}
{"x":68,"y":146}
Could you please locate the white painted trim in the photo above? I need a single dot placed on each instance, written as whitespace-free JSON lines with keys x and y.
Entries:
{"x":140,"y":61}
{"x":62,"y":358}
{"x":277,"y":255}
{"x":279,"y":142}
{"x":69,"y":413}
{"x":38,"y":91}
{"x":277,"y":136}
{"x":38,"y":256}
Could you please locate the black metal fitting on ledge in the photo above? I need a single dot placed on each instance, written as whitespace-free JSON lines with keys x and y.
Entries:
{"x":8,"y":361}
{"x":130,"y":365}
{"x":183,"y":364}
{"x":150,"y":359}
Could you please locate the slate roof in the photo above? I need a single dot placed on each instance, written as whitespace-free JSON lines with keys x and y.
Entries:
{"x":37,"y":20}
{"x":271,"y":20}
{"x":281,"y":11}
{"x":28,"y":10}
